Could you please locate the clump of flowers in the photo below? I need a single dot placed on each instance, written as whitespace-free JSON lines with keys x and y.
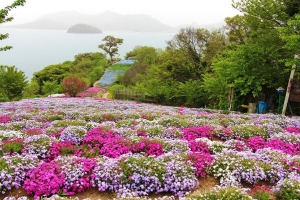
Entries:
{"x":232,"y":193}
{"x":199,"y":146}
{"x":44,"y":180}
{"x":9,"y":134}
{"x":247,"y":131}
{"x":261,"y":192}
{"x":214,"y":146}
{"x":176,"y":146}
{"x":5,"y":118}
{"x":283,"y":146}
{"x":232,"y":167}
{"x":61,"y":149}
{"x":201,"y":161}
{"x":179,"y":178}
{"x":114,"y":147}
{"x":237,"y":145}
{"x":77,"y":173}
{"x":256,"y":143}
{"x":288,"y":188}
{"x":108,"y":175}
{"x":13,"y":170}
{"x":191,"y":133}
{"x":292,"y":129}
{"x":12,"y":145}
{"x":74,"y":134}
{"x":37,"y":145}
{"x":148,"y":146}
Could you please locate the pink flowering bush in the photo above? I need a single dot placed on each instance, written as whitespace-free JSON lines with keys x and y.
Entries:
{"x":292,"y":129}
{"x":283,"y":146}
{"x":45,"y":180}
{"x":201,"y":161}
{"x":114,"y":147}
{"x":148,"y":146}
{"x":256,"y":143}
{"x":199,"y":146}
{"x":5,"y":118}
{"x":191,"y":133}
{"x":60,"y":148}
{"x":77,"y":173}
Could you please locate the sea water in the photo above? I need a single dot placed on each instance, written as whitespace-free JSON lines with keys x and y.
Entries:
{"x":35,"y":49}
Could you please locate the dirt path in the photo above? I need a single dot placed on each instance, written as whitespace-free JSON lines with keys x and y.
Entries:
{"x":105,"y":95}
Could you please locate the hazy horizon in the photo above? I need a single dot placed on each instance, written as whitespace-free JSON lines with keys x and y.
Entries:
{"x":172,"y":13}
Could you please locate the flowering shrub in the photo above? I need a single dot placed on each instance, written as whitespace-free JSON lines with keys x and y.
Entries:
{"x":288,"y":188}
{"x":226,"y":193}
{"x":77,"y":173}
{"x":37,"y":145}
{"x":60,"y":148}
{"x":44,"y":180}
{"x":256,"y":143}
{"x":74,"y":134}
{"x":247,"y":131}
{"x":13,"y":170}
{"x":5,"y":118}
{"x":283,"y":146}
{"x":237,"y":145}
{"x":135,"y":149}
{"x":261,"y":192}
{"x":149,"y":147}
{"x":191,"y":133}
{"x":114,"y":147}
{"x":199,"y":146}
{"x":201,"y":161}
{"x":12,"y":145}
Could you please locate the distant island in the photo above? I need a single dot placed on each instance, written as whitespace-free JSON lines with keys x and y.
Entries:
{"x":84,"y":29}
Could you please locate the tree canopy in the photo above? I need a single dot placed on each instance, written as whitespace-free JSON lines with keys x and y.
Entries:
{"x":12,"y":83}
{"x":110,"y":46}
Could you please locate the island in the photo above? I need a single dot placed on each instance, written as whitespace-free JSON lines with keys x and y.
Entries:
{"x":84,"y":29}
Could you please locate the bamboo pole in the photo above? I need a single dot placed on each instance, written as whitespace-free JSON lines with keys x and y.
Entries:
{"x":288,"y":90}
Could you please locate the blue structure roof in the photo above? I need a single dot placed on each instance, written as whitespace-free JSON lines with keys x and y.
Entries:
{"x":124,"y":62}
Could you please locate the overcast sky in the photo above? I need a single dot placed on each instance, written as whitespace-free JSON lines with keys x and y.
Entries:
{"x":170,"y":12}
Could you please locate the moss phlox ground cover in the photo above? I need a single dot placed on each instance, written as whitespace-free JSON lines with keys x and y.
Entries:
{"x":64,"y":146}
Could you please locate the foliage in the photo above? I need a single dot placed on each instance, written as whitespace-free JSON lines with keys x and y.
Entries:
{"x":261,"y":192}
{"x":224,"y":193}
{"x":88,"y":66}
{"x":110,"y":46}
{"x":12,"y":82}
{"x":5,"y":18}
{"x":31,"y":89}
{"x":73,"y":85}
{"x":50,"y":87}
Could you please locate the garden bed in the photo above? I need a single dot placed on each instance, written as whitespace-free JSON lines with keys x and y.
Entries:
{"x":102,"y":148}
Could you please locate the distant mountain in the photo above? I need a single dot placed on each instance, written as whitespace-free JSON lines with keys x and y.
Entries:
{"x":106,"y":21}
{"x":84,"y":28}
{"x":43,"y":24}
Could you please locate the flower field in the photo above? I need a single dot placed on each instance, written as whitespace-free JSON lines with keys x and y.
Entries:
{"x":66,"y":146}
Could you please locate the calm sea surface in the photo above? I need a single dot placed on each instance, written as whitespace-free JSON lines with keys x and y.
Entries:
{"x":35,"y":49}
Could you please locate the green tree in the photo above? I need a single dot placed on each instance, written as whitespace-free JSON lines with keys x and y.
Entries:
{"x":50,"y":87}
{"x":12,"y":82}
{"x":111,"y":46}
{"x":5,"y":18}
{"x":96,"y":74}
{"x":291,"y":35}
{"x":31,"y":89}
{"x":52,"y":73}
